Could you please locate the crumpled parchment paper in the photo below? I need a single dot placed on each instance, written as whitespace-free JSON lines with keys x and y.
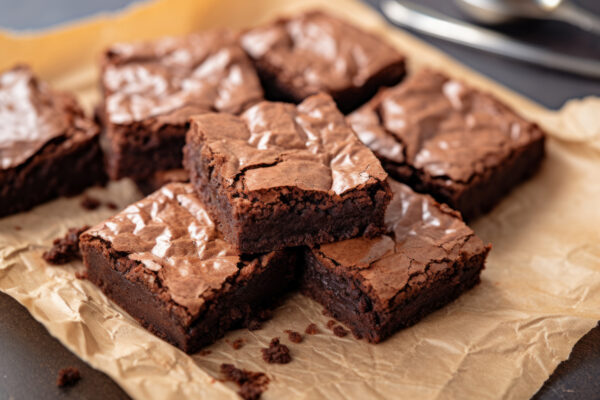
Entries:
{"x":540,"y":292}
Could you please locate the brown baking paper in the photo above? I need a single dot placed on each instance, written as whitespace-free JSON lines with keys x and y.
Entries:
{"x":540,"y":292}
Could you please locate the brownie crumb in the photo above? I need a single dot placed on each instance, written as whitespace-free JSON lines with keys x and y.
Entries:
{"x":331,"y":323}
{"x":312,"y":329}
{"x":252,"y":384}
{"x":204,"y":352}
{"x":89,"y":203}
{"x":238,"y":344}
{"x":295,"y":337}
{"x":339,"y":331}
{"x":81,"y":275}
{"x":17,"y":228}
{"x":254,"y":325}
{"x":111,"y":205}
{"x":276,"y":353}
{"x":68,"y":377}
{"x":65,"y":249}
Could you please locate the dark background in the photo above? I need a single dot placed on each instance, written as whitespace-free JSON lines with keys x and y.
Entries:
{"x":30,"y":358}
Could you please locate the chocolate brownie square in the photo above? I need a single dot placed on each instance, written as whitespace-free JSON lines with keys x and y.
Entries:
{"x":165,"y":263}
{"x":282,"y":175}
{"x":377,"y":286}
{"x":152,"y":88}
{"x":48,"y":147}
{"x":442,"y":137}
{"x":314,"y":52}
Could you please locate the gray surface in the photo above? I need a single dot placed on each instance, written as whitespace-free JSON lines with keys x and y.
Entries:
{"x":30,"y":359}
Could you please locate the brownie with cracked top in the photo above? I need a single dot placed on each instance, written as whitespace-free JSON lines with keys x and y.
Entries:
{"x":441,"y":137}
{"x":315,"y":52}
{"x":164,"y":262}
{"x":282,"y":175}
{"x":48,"y":147}
{"x":152,"y":88}
{"x":377,"y":286}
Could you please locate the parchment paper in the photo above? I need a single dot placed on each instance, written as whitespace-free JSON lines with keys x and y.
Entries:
{"x":540,"y":292}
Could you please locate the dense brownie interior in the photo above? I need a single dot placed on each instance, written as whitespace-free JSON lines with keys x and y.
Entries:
{"x":163,"y":261}
{"x":377,"y":286}
{"x":48,"y":147}
{"x":281,"y":175}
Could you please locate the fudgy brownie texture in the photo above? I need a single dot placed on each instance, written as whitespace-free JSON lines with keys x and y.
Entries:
{"x":152,"y":88}
{"x":48,"y":148}
{"x":282,"y":175}
{"x":161,"y":178}
{"x":377,"y":286}
{"x":441,"y":137}
{"x":65,"y":249}
{"x":163,"y":261}
{"x":315,"y":52}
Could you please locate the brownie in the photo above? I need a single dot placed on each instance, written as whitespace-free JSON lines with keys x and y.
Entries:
{"x":48,"y":147}
{"x":377,"y":286}
{"x":163,"y":261}
{"x":282,"y":175}
{"x":314,"y":52}
{"x":152,"y":88}
{"x":161,"y":178}
{"x":442,"y":137}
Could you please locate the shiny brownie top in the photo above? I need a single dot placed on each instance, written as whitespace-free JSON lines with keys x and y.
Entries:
{"x":31,"y":115}
{"x":173,"y":78}
{"x":177,"y":243}
{"x":424,"y":238}
{"x":276,"y":145}
{"x":315,"y":52}
{"x":442,"y":127}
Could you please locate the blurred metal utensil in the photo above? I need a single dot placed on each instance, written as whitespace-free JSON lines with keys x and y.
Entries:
{"x":500,"y":11}
{"x":434,"y":24}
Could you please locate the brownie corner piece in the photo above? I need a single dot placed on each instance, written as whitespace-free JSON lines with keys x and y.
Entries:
{"x":376,"y":286}
{"x":442,"y":137}
{"x":49,"y":147}
{"x":281,"y":175}
{"x":164,"y":262}
{"x":152,"y":88}
{"x":316,"y":52}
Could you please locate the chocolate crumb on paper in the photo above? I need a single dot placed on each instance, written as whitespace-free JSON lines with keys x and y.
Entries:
{"x":68,"y":377}
{"x":252,"y":384}
{"x":90,"y":203}
{"x":276,"y":353}
{"x":312,"y":329}
{"x":331,"y":323}
{"x":111,"y":205}
{"x":295,"y":337}
{"x":238,"y":343}
{"x":339,"y":331}
{"x":204,"y":352}
{"x":65,"y":249}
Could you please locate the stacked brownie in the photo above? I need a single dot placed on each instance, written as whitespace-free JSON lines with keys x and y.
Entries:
{"x":286,"y":194}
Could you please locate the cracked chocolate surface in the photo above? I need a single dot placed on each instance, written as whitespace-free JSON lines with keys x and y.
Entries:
{"x":31,"y":115}
{"x":442,"y":127}
{"x":272,"y":145}
{"x":423,"y":238}
{"x":172,"y":236}
{"x":174,"y":78}
{"x":315,"y":52}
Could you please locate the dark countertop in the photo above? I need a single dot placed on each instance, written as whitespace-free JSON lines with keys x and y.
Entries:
{"x":30,"y":358}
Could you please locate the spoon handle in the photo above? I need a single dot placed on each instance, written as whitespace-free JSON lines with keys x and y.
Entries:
{"x":572,"y":14}
{"x":428,"y":22}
